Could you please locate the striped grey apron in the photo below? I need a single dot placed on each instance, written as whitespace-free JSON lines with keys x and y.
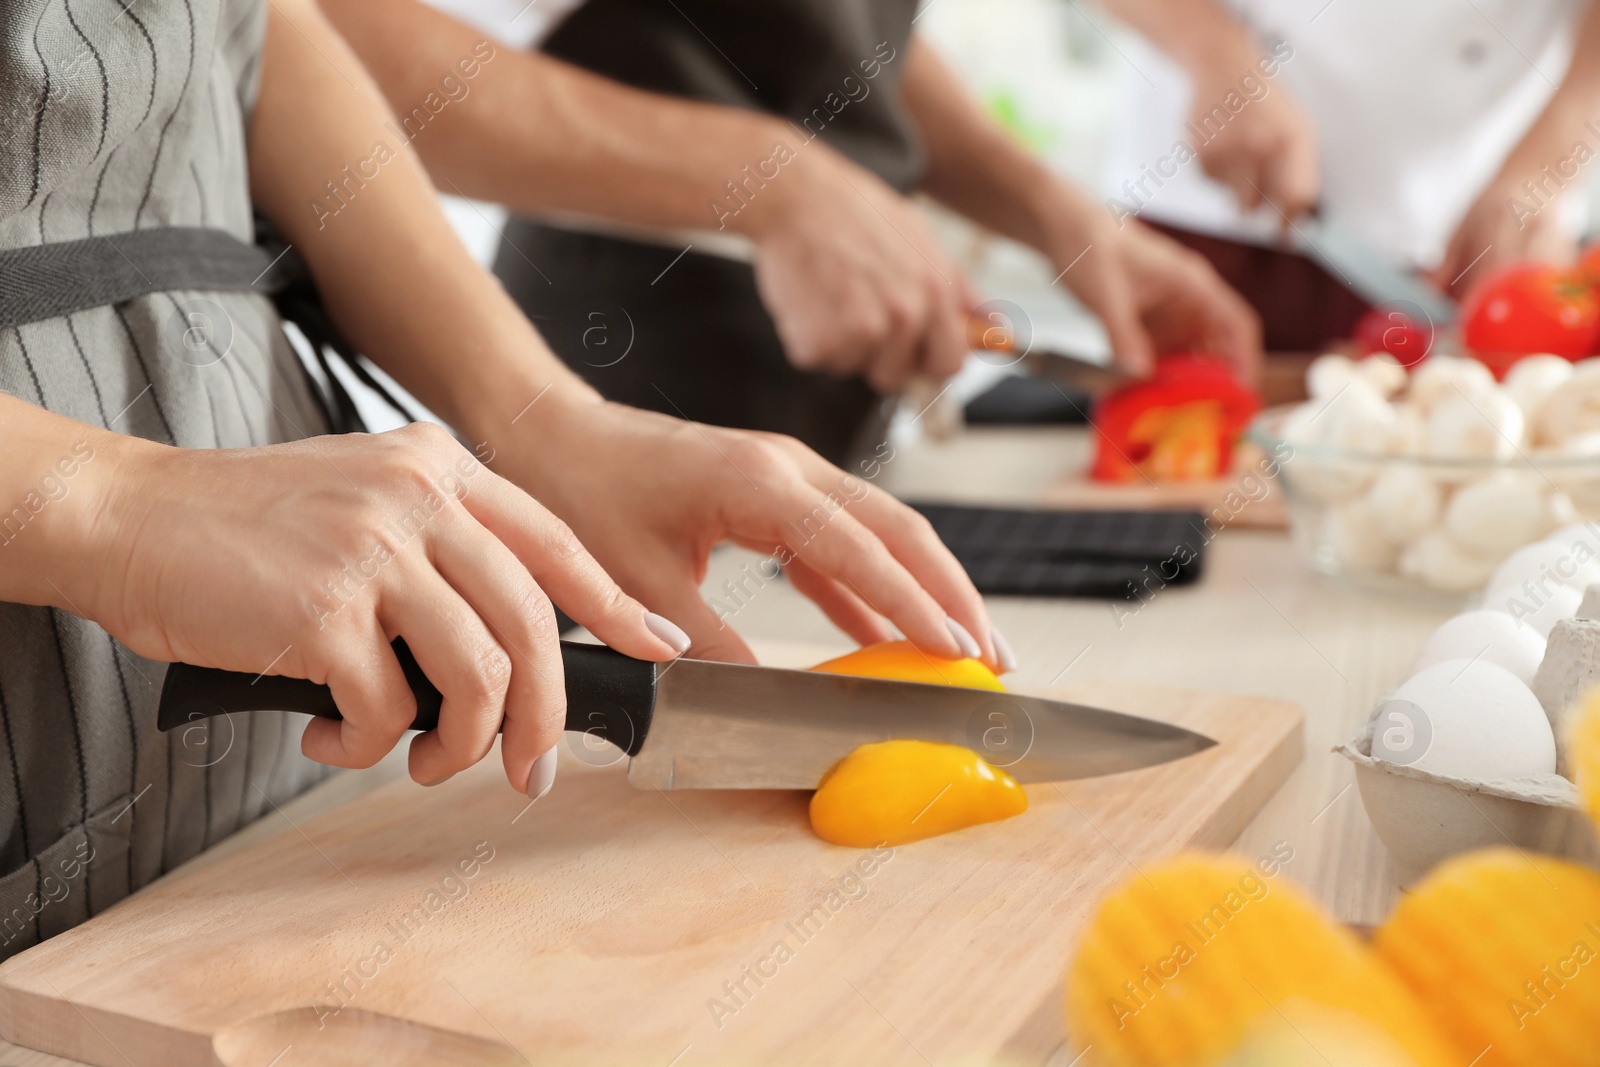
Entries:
{"x":119,"y":116}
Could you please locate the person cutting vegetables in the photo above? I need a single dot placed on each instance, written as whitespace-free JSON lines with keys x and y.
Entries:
{"x":1455,"y":136}
{"x":727,"y":187}
{"x":170,"y":493}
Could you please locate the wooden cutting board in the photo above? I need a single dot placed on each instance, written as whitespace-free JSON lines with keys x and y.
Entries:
{"x":1246,"y":498}
{"x":606,"y":925}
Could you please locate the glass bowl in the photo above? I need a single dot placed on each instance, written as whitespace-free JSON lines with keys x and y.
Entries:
{"x":1422,"y":525}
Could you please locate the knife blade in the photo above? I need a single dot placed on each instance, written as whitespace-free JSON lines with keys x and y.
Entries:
{"x":1083,"y":374}
{"x":1371,"y":275}
{"x":699,"y":724}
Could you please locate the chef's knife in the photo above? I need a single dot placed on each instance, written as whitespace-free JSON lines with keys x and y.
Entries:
{"x":696,"y":724}
{"x":1084,"y":375}
{"x":1371,"y":275}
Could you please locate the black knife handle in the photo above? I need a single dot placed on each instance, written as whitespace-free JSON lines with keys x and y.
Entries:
{"x":609,"y":695}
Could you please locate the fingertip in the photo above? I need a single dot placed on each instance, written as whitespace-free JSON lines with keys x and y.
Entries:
{"x":541,"y":775}
{"x":667,"y":632}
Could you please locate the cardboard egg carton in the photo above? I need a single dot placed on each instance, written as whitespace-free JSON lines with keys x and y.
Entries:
{"x":1423,"y":817}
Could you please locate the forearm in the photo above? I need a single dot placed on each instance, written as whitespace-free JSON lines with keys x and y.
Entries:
{"x":390,"y":269}
{"x":975,"y":168}
{"x":54,"y":485}
{"x":539,"y":135}
{"x":1566,"y":116}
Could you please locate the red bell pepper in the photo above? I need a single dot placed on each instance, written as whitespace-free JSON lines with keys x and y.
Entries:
{"x":1180,"y":425}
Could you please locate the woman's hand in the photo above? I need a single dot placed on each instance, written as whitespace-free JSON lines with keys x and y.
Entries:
{"x":651,"y":496}
{"x":1151,"y":294}
{"x":307,"y":559}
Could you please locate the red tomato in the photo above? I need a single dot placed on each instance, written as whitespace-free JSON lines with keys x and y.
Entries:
{"x":1387,"y":330}
{"x":1528,"y":308}
{"x":1589,"y":263}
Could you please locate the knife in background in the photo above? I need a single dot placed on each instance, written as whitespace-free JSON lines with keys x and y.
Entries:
{"x":1371,"y":275}
{"x":698,"y":724}
{"x":1000,"y":338}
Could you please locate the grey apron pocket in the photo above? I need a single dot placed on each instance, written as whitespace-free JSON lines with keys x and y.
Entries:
{"x":63,"y":885}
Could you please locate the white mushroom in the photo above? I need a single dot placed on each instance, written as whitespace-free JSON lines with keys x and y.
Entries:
{"x":1328,"y":375}
{"x":1407,"y":502}
{"x":1497,"y":514}
{"x":1384,"y":373}
{"x":1533,"y":379}
{"x":1572,"y":409}
{"x":1438,"y":562}
{"x":1357,"y":539}
{"x":1441,"y":376}
{"x":1475,"y":426}
{"x":1357,"y":419}
{"x":1410,"y":437}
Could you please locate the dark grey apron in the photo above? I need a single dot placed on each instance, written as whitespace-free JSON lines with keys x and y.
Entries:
{"x":132,"y":300}
{"x":698,"y":342}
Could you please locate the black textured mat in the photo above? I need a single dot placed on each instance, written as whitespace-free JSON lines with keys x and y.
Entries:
{"x":1112,"y":554}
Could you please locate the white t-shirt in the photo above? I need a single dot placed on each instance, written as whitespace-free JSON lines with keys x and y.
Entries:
{"x":1415,"y":105}
{"x":520,"y":24}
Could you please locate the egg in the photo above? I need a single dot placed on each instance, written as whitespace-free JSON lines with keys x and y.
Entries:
{"x":1492,"y":636}
{"x":1439,"y":563}
{"x":1540,"y":609}
{"x":1406,"y":501}
{"x":1493,"y":515}
{"x":1534,"y":379}
{"x":1465,"y":718}
{"x":1563,"y":558}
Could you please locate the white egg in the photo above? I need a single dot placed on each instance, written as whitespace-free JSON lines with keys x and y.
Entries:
{"x":1438,"y":562}
{"x":1439,"y":377}
{"x":1383,"y":372}
{"x":1494,"y":515}
{"x":1492,"y":636}
{"x":1532,"y":380}
{"x":1407,"y":502}
{"x":1358,"y":540}
{"x":1468,"y":719}
{"x":1566,"y":557}
{"x":1483,"y":426}
{"x":1328,"y":375}
{"x":1540,"y":610}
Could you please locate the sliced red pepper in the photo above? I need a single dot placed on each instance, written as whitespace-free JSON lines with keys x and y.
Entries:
{"x":1180,"y":425}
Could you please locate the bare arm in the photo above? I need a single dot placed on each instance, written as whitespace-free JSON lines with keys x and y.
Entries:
{"x":855,"y":282}
{"x":1508,"y":222}
{"x":539,"y":135}
{"x":1150,"y":294}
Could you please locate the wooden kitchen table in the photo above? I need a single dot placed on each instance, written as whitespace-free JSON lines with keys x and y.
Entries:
{"x":1259,"y":622}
